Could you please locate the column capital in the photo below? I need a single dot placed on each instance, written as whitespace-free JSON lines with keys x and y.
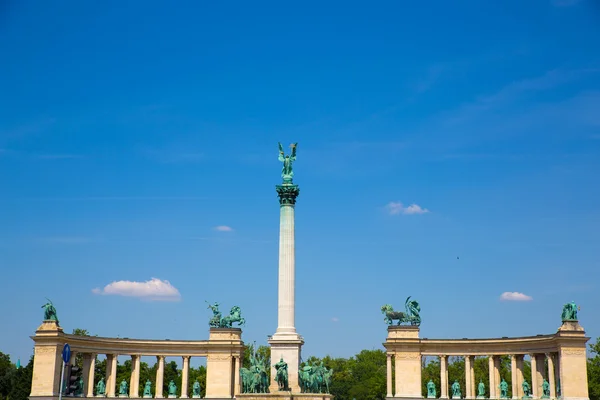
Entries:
{"x":160,"y":358}
{"x":287,"y":194}
{"x":186,"y":357}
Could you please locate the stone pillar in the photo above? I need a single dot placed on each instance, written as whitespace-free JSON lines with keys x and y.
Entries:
{"x":473,"y":386}
{"x":534,"y":377}
{"x":572,"y":361}
{"x":389,"y":375}
{"x":89,"y":364}
{"x":540,"y":373}
{"x":236,"y":376}
{"x":497,"y":374}
{"x":469,"y":386}
{"x":492,"y":377}
{"x":513,"y":376}
{"x":557,"y":376}
{"x":443,"y":377}
{"x":134,"y":381}
{"x":111,"y":374}
{"x":185,"y":370}
{"x":286,"y":344}
{"x":520,"y":376}
{"x":160,"y":371}
{"x":47,"y":362}
{"x":551,"y":374}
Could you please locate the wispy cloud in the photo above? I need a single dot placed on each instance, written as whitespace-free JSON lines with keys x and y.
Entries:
{"x":397,"y":208}
{"x":515,"y":296}
{"x":223,"y":228}
{"x":154,"y":290}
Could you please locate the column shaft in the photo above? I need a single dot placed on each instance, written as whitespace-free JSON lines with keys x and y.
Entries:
{"x":443,"y":377}
{"x":389,"y":375}
{"x":473,"y":390}
{"x":540,"y":372}
{"x":492,"y":377}
{"x":514,"y":380}
{"x":159,"y":391}
{"x":236,"y":377}
{"x":468,"y":367}
{"x":185,"y":370}
{"x":88,"y":366}
{"x":397,"y":377}
{"x":520,"y":376}
{"x":551,"y":374}
{"x":534,"y":380}
{"x":111,"y":380}
{"x":287,"y":261}
{"x":134,"y":380}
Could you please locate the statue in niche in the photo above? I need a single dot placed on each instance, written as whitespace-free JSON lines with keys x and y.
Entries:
{"x":100,"y":388}
{"x":545,"y":390}
{"x":123,"y":389}
{"x":196,"y":390}
{"x":526,"y":389}
{"x":172,"y":389}
{"x":431,"y":392}
{"x":481,"y":390}
{"x":456,"y":390}
{"x":50,"y":311}
{"x":503,"y":389}
{"x":281,"y":377}
{"x":569,"y":313}
{"x":287,"y":172}
{"x":148,"y":389}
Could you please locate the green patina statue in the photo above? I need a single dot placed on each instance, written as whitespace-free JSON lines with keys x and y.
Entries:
{"x":315,"y":378}
{"x":255,"y":379}
{"x":172,"y":389}
{"x":281,"y":377}
{"x":569,"y":313}
{"x":431,"y":392}
{"x":287,"y":172}
{"x":503,"y":389}
{"x":526,"y":390}
{"x":49,"y":311}
{"x":456,"y":390}
{"x":100,"y":387}
{"x":218,"y":321}
{"x":410,"y":316}
{"x":545,"y":390}
{"x":481,"y":390}
{"x":78,"y":391}
{"x":123,"y":388}
{"x":148,"y":389}
{"x":196,"y":390}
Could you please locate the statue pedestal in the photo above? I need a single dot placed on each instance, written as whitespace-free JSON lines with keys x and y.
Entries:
{"x":172,"y":396}
{"x":480,"y":397}
{"x":456,"y":397}
{"x":147,"y":396}
{"x":123,"y":395}
{"x":430,"y":397}
{"x":196,"y":396}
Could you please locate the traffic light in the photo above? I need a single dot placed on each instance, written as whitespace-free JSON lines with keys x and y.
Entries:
{"x":73,"y":381}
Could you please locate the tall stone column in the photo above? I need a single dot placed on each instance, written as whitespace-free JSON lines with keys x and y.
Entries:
{"x":443,"y":377}
{"x":551,"y":374}
{"x":468,"y":367}
{"x":134,"y":381}
{"x":473,"y":386}
{"x":286,"y":343}
{"x":236,"y":376}
{"x":111,"y":374}
{"x":389,"y":375}
{"x":534,"y":377}
{"x":513,"y":376}
{"x":520,"y":378}
{"x":492,"y":375}
{"x":185,"y":371}
{"x":88,"y":359}
{"x":160,"y":372}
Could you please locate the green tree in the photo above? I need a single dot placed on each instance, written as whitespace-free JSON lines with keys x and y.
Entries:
{"x":431,"y":370}
{"x":7,"y":370}
{"x":197,"y":374}
{"x":21,"y":383}
{"x":593,"y":371}
{"x":369,"y":370}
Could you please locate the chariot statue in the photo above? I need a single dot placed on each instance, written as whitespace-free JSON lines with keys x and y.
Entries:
{"x":410,"y":316}
{"x":218,"y":321}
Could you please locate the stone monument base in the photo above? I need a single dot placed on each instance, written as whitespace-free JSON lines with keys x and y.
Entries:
{"x":480,"y":397}
{"x":284,"y":396}
{"x":196,"y":396}
{"x":172,"y":396}
{"x":147,"y":396}
{"x":457,"y":397}
{"x":430,"y":397}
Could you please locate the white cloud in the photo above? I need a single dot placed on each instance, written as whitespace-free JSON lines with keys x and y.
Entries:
{"x":154,"y":289}
{"x":515,"y":296}
{"x":395,"y":208}
{"x":223,"y":228}
{"x":335,"y":319}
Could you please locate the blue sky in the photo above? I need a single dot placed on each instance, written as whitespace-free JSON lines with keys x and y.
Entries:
{"x":447,"y":150}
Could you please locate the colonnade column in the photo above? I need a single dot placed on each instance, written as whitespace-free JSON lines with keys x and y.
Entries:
{"x":473,"y":390}
{"x":159,"y":391}
{"x":389,"y":375}
{"x":111,"y":374}
{"x":520,"y":378}
{"x":236,"y":376}
{"x":185,"y":369}
{"x":540,"y":373}
{"x":134,"y":381}
{"x":513,"y":376}
{"x":534,"y":381}
{"x":551,"y":373}
{"x":443,"y":376}
{"x":557,"y":380}
{"x":492,"y":377}
{"x":468,"y":367}
{"x":89,"y":365}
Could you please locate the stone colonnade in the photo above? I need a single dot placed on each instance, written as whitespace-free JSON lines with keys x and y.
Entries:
{"x":560,"y":359}
{"x":223,"y":351}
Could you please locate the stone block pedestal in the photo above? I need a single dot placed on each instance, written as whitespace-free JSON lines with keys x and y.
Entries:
{"x":287,"y":347}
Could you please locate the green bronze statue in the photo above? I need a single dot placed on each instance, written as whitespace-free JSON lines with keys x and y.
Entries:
{"x":481,"y":390}
{"x":172,"y":389}
{"x":217,"y":321}
{"x":526,"y":390}
{"x":545,"y":390}
{"x":411,"y":315}
{"x":255,"y":379}
{"x":431,"y":392}
{"x":569,"y":313}
{"x":100,"y":387}
{"x":281,"y":377}
{"x":315,"y":378}
{"x":49,"y":311}
{"x":148,"y":389}
{"x":287,"y":172}
{"x":503,"y":389}
{"x":196,"y":390}
{"x":123,"y":389}
{"x":78,"y":391}
{"x":456,"y":390}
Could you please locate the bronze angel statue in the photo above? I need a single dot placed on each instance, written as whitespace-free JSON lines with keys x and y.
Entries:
{"x":287,"y":172}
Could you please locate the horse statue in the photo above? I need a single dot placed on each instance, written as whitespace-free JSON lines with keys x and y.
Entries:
{"x":49,"y":311}
{"x":411,"y":315}
{"x":235,"y":315}
{"x":215,"y":321}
